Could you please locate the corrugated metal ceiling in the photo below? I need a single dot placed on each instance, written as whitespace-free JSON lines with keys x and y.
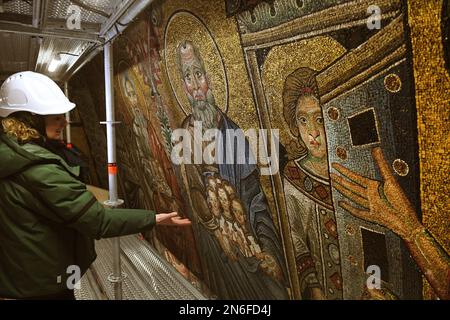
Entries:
{"x":16,"y":52}
{"x":64,"y":50}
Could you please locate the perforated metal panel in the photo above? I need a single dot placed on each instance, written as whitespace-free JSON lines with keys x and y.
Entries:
{"x":149,"y":277}
{"x":19,"y":7}
{"x":59,"y":9}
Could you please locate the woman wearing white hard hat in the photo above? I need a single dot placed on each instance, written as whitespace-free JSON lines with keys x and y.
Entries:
{"x":48,"y":219}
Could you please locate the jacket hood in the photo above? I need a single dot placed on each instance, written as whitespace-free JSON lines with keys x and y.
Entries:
{"x":15,"y":158}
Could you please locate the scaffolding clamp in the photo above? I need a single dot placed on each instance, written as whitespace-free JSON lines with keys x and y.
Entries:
{"x":112,"y":278}
{"x":113,"y":204}
{"x":112,"y":122}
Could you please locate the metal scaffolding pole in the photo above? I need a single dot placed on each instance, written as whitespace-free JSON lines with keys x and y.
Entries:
{"x":68,"y":132}
{"x":116,"y":277}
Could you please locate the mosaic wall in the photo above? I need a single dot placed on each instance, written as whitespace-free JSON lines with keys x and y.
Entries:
{"x":357,"y":209}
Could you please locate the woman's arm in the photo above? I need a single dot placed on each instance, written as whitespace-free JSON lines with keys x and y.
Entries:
{"x":63,"y":199}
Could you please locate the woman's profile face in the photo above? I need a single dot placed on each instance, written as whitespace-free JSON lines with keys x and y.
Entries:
{"x":310,"y":126}
{"x":54,"y":126}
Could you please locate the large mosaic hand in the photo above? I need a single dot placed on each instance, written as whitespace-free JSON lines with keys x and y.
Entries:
{"x":386,"y":204}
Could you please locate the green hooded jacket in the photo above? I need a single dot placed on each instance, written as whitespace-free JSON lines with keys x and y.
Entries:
{"x":48,"y":221}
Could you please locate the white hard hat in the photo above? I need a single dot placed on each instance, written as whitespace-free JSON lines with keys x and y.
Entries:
{"x":32,"y":92}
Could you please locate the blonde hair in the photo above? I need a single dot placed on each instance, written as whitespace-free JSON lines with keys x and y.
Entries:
{"x":18,"y":129}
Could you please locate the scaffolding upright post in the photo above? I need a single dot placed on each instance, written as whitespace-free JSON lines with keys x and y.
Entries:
{"x":116,"y":277}
{"x":68,"y":132}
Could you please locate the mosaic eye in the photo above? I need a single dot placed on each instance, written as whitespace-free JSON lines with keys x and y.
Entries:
{"x":302,"y":120}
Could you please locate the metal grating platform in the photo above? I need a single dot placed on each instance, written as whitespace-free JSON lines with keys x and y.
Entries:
{"x":149,"y":277}
{"x":89,"y":288}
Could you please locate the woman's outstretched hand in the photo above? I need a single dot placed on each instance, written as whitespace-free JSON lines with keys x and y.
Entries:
{"x":171,"y":219}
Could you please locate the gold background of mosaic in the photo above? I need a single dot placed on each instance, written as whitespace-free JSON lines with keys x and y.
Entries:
{"x":432,"y":101}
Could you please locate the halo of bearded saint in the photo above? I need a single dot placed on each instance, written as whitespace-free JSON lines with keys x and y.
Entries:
{"x":181,"y":28}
